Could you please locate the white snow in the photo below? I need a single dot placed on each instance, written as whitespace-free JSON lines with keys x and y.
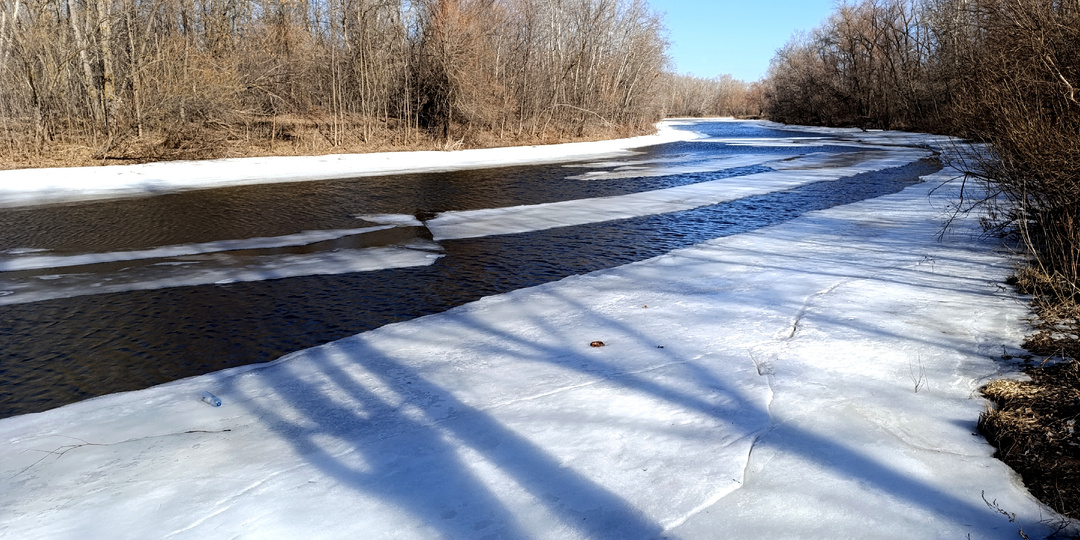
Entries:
{"x":814,"y":379}
{"x":519,"y":219}
{"x":25,"y":187}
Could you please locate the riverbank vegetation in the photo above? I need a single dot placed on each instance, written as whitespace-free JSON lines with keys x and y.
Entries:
{"x":999,"y":72}
{"x":111,"y":81}
{"x":141,"y":80}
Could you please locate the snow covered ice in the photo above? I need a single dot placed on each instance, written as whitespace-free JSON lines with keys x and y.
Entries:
{"x":26,"y":187}
{"x":814,"y":379}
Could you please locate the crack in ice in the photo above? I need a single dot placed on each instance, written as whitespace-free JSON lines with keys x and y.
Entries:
{"x":764,"y":369}
{"x":794,"y":328}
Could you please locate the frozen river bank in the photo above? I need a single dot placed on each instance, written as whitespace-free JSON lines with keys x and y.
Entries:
{"x":814,"y":378}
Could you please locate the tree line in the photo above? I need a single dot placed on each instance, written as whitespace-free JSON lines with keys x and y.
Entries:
{"x":154,"y":78}
{"x":1001,"y":72}
{"x":687,"y":95}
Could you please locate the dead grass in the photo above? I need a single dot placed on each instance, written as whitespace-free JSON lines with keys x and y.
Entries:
{"x":1033,"y":424}
{"x":285,"y":135}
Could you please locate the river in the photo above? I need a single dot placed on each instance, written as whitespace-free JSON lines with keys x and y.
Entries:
{"x":108,"y":296}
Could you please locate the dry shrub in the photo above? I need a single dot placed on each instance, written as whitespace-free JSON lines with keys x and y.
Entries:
{"x":1019,"y":94}
{"x":1007,"y":391}
{"x":1058,"y":324}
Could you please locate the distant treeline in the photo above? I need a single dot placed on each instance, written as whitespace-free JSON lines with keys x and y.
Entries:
{"x":88,"y":80}
{"x":1003,"y":72}
{"x":686,"y":95}
{"x":183,"y":75}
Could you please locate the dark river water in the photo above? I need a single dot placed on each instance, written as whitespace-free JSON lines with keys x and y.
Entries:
{"x":72,"y":345}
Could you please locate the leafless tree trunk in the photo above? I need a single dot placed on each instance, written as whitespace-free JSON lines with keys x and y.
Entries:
{"x":84,"y":61}
{"x":108,"y":62}
{"x":135,"y":76}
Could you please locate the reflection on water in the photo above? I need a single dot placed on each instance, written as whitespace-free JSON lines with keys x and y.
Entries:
{"x":62,"y":350}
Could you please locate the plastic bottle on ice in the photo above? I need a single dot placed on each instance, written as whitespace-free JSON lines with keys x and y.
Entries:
{"x":211,"y":399}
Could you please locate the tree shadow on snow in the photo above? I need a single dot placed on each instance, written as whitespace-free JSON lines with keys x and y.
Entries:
{"x":415,"y":444}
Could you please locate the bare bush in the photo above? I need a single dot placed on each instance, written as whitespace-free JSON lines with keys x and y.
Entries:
{"x":1020,"y":95}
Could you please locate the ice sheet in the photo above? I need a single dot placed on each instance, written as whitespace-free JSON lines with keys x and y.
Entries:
{"x":403,"y":220}
{"x":816,"y":380}
{"x":214,"y":268}
{"x":878,"y":137}
{"x":519,"y":219}
{"x":38,"y":262}
{"x":671,"y":166}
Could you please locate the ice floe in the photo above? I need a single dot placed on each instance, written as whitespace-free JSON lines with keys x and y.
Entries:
{"x":208,"y":268}
{"x":671,"y":166}
{"x":300,"y":239}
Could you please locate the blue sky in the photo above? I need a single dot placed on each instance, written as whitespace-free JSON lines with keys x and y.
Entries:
{"x":714,"y":37}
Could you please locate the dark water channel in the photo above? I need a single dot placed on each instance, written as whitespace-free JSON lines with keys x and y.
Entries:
{"x":62,"y":350}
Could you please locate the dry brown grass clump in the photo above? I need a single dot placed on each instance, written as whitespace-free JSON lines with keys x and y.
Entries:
{"x":1057,"y":305}
{"x":1034,"y":426}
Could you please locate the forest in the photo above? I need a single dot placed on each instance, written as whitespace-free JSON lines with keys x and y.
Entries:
{"x":104,"y":81}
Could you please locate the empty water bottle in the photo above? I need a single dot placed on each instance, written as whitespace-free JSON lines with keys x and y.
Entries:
{"x":211,"y":399}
